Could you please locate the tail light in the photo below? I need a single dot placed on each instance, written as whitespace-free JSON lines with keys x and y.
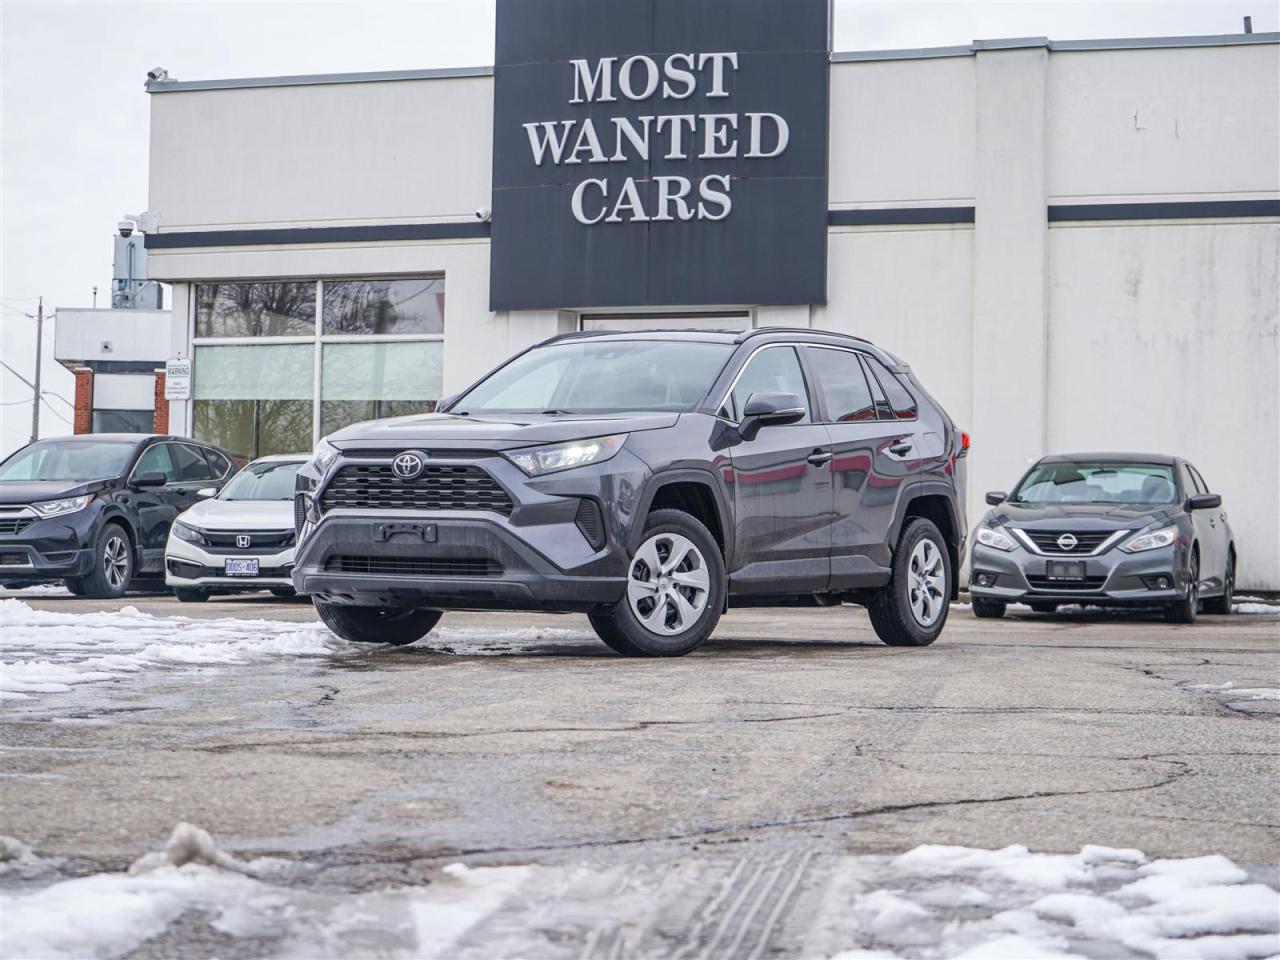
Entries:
{"x":964,"y":444}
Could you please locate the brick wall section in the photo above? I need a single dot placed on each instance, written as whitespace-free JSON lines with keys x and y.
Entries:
{"x":83,"y":420}
{"x":162,"y":406}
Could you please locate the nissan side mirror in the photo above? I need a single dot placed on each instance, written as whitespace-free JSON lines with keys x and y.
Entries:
{"x":997,"y":497}
{"x":204,"y":493}
{"x":1204,"y":501}
{"x":769,"y":409}
{"x":151,"y":478}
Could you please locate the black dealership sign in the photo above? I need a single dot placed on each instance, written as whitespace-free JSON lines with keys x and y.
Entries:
{"x":659,"y":152}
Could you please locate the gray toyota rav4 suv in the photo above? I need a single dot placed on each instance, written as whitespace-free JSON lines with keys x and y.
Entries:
{"x":648,"y":480}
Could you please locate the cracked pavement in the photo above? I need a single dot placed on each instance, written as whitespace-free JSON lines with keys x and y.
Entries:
{"x":791,"y":738}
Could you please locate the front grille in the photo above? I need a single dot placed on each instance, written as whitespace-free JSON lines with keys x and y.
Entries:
{"x":438,"y":487}
{"x":259,"y":540}
{"x":11,"y":525}
{"x":1046,"y":583}
{"x":13,"y":560}
{"x":458,"y":567}
{"x":1087,"y":541}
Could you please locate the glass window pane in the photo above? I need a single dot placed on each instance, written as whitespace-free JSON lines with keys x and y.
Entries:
{"x":123,"y":421}
{"x":842,"y":384}
{"x":774,"y":370}
{"x":217,"y":462}
{"x":903,"y":404}
{"x":188,"y":463}
{"x":249,"y":429}
{"x":365,"y":381}
{"x":156,"y":460}
{"x":254,"y":372}
{"x":384,"y":306}
{"x":255,"y":309}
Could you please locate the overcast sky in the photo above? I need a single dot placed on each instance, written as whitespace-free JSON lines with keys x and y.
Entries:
{"x":74,"y":117}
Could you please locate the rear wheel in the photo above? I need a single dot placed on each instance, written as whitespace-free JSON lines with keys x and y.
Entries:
{"x":112,"y":566}
{"x":75,"y":585}
{"x":283,"y":592}
{"x":395,"y":625}
{"x":1185,"y":610}
{"x":190,"y":594}
{"x":988,"y":609}
{"x":1222,"y":604}
{"x":675,"y":590}
{"x":911,"y":610}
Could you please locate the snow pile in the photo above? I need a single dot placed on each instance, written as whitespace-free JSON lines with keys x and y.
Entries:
{"x":109,"y":915}
{"x":46,"y":651}
{"x":939,"y":901}
{"x":487,"y":642}
{"x":41,"y":590}
{"x":1255,"y":606}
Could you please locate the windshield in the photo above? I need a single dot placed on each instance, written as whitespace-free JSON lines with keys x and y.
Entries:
{"x":68,"y":460}
{"x":263,"y":480}
{"x":601,"y":376}
{"x":1141,"y":483}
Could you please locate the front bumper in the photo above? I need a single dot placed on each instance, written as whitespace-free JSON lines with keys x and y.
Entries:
{"x":189,"y":565}
{"x":1113,"y":578}
{"x":51,"y":548}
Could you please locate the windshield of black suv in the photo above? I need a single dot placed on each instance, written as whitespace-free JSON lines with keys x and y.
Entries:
{"x":601,"y":376}
{"x":68,"y":460}
{"x":1071,"y":482}
{"x":263,"y":480}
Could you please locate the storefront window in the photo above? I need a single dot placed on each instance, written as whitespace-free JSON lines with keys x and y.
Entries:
{"x":255,"y":309}
{"x":384,"y":306}
{"x":255,"y":399}
{"x":366,"y":381}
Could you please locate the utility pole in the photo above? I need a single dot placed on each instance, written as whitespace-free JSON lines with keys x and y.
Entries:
{"x":35,"y":403}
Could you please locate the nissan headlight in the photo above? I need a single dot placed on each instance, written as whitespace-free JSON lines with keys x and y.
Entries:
{"x":324,"y":455}
{"x":1151,"y":540}
{"x":994,"y":538}
{"x":184,"y":531}
{"x":535,"y":461}
{"x":56,"y":508}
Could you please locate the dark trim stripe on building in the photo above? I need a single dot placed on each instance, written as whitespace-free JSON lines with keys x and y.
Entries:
{"x":1163,"y":210}
{"x":892,"y":216}
{"x":368,"y":233}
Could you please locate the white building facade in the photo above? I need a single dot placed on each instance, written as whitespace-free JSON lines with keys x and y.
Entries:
{"x":1076,"y":245}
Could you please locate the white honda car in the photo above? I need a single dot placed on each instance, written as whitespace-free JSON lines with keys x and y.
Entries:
{"x":240,"y":540}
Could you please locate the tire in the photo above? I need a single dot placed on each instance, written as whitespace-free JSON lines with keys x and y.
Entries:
{"x":398,"y":626}
{"x":988,"y":609}
{"x":112,"y":565}
{"x":911,"y":610}
{"x":1185,"y":610}
{"x":1222,"y":605}
{"x":284,"y":593}
{"x":1044,"y":607}
{"x":668,"y":609}
{"x":190,"y":594}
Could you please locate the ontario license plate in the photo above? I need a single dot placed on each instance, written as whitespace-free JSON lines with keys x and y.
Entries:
{"x":241,"y":567}
{"x":1066,"y":570}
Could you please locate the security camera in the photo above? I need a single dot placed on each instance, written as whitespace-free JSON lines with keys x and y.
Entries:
{"x":484,"y":214}
{"x":125,"y":227}
{"x":157,"y":74}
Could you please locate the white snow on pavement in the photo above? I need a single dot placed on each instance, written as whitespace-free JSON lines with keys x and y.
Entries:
{"x":939,"y":901}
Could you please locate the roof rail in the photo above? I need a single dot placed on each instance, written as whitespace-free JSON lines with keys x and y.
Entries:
{"x":760,"y":331}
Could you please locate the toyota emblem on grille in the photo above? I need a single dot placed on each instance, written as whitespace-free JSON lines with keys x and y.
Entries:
{"x":242,"y":541}
{"x":1067,"y":542}
{"x":407,"y":466}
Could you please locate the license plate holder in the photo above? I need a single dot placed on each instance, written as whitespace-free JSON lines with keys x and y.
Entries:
{"x":426,"y":532}
{"x":1065,"y":570}
{"x":241,"y":567}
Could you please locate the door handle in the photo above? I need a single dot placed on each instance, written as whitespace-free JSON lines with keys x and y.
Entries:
{"x":901,"y":449}
{"x":819,"y":457}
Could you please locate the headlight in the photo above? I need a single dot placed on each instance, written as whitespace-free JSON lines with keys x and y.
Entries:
{"x":536,"y":461}
{"x":1151,"y":540}
{"x":187,"y":532}
{"x":56,"y":508}
{"x":324,"y":455}
{"x":992,"y":537}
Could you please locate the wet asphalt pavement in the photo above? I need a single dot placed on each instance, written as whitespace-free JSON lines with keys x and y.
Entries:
{"x":792,"y":737}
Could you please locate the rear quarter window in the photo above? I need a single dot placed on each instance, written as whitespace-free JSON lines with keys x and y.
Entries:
{"x":902,"y":404}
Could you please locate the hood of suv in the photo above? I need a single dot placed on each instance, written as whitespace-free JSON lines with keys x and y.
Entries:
{"x":493,"y":431}
{"x":34,"y":491}
{"x":1081,"y":516}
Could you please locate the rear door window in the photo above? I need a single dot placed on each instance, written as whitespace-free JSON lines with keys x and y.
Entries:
{"x":846,"y":395}
{"x":217,"y":462}
{"x":190,"y":465}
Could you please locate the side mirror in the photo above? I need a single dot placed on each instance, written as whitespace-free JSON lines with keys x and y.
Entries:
{"x":997,"y":497}
{"x":1204,"y":501}
{"x":206,"y":492}
{"x":152,"y":478}
{"x":769,"y":409}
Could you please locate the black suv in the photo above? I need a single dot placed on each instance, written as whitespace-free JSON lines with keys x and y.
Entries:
{"x":649,"y":480}
{"x":94,"y":510}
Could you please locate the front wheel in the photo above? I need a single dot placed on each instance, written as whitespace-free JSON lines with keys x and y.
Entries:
{"x":190,"y":594}
{"x":112,"y":566}
{"x":1185,"y":610}
{"x":911,"y":610}
{"x":675,"y":590}
{"x":1222,"y":604}
{"x":988,"y":609}
{"x":394,"y":625}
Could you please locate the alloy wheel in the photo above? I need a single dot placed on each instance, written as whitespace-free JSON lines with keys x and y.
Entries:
{"x":926,"y":583}
{"x":115,"y":561}
{"x":668,"y":584}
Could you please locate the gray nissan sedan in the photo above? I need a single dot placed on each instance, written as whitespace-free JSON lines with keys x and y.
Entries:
{"x":1107,"y":529}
